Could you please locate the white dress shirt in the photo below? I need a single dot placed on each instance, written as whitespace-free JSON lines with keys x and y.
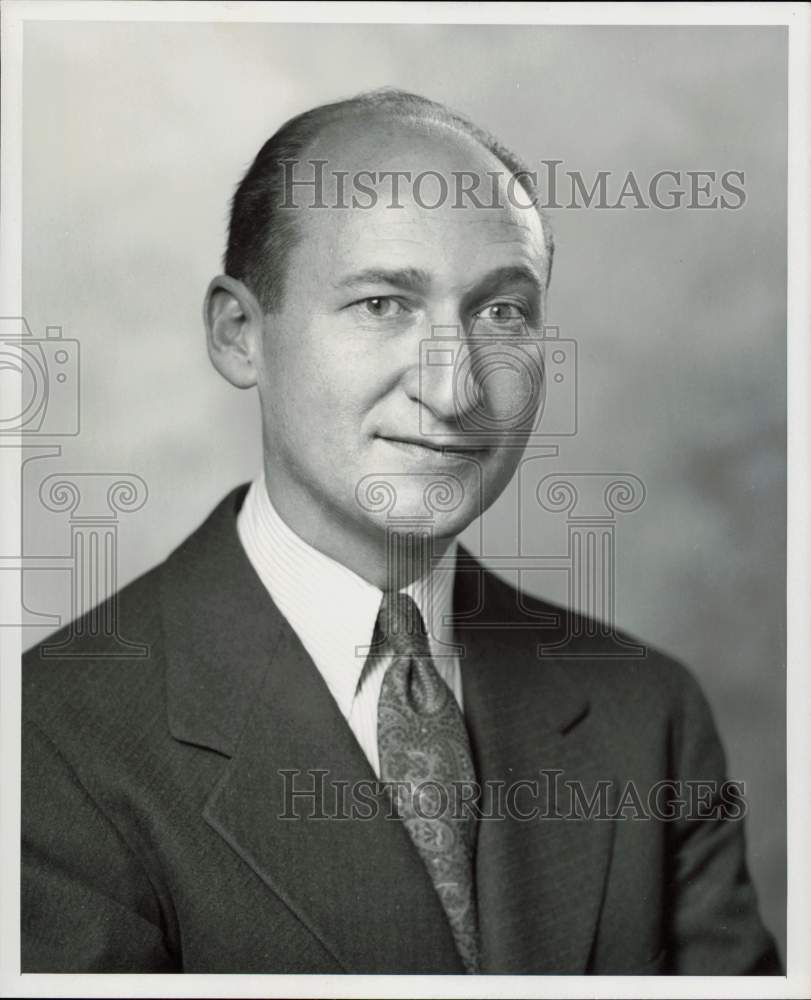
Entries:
{"x":333,"y":611}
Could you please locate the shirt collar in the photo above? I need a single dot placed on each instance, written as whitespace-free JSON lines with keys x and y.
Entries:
{"x":331,"y":609}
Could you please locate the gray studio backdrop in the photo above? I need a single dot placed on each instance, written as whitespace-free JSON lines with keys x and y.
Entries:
{"x":134,"y":137}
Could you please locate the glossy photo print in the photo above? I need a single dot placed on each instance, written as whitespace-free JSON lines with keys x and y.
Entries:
{"x":398,"y":429}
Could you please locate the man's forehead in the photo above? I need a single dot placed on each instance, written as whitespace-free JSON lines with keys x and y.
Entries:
{"x":401,"y":160}
{"x":416,"y":224}
{"x":405,"y":189}
{"x":447,"y":239}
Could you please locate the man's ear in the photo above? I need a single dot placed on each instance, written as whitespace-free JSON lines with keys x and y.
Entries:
{"x":234,"y":328}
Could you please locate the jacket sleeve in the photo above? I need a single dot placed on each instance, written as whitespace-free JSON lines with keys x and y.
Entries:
{"x":714,"y":927}
{"x":87,"y":904}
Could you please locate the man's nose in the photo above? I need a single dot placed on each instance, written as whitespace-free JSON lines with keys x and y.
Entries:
{"x":438,"y":382}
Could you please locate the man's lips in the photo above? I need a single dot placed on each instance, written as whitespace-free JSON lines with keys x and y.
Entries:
{"x":455,"y":447}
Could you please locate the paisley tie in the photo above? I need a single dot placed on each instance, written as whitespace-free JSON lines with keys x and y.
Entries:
{"x":424,"y":749}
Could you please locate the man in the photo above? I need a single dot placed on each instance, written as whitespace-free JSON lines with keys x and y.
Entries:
{"x":216,"y":807}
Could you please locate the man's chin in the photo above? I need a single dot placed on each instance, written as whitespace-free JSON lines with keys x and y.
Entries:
{"x":411,"y":541}
{"x":441,"y":500}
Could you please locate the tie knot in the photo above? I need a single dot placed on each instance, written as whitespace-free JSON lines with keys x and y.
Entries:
{"x":401,"y":625}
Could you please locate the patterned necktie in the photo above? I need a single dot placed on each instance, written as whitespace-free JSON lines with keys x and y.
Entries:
{"x":424,"y":748}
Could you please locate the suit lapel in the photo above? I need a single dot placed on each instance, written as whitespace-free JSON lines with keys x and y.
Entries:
{"x":240,"y":682}
{"x":539,"y":882}
{"x":357,"y":883}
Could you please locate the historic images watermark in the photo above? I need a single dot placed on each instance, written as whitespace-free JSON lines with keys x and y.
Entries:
{"x":312,"y":794}
{"x":308,"y":184}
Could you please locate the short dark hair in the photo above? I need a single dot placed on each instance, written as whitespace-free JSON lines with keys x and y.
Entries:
{"x":260,"y":236}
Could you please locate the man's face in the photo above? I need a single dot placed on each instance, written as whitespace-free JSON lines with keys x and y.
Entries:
{"x":348,"y":398}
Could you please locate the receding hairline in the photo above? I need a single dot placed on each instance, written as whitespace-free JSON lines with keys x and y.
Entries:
{"x":339,"y":143}
{"x":443,"y":124}
{"x":251,"y":251}
{"x":394,"y":118}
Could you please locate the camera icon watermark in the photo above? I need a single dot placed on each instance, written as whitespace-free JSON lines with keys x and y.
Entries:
{"x":48,"y":371}
{"x":510,"y":385}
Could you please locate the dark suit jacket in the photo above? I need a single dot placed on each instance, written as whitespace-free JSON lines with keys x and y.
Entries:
{"x":152,"y":837}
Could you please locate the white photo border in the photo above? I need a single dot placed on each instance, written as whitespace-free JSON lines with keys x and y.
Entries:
{"x":797,"y":18}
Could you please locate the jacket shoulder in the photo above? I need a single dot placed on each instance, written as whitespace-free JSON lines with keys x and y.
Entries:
{"x":106,"y":662}
{"x":106,"y":671}
{"x":613,"y":666}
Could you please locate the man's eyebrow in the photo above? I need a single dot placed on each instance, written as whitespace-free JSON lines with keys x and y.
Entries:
{"x":511,"y":275}
{"x":413,"y":279}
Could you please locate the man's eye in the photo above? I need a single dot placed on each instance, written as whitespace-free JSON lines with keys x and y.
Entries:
{"x":501,"y":312}
{"x":381,"y":307}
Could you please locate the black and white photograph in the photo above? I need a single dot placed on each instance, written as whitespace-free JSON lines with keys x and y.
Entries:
{"x":405,"y":475}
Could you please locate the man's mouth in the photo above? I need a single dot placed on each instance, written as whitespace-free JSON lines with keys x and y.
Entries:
{"x":465,"y":448}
